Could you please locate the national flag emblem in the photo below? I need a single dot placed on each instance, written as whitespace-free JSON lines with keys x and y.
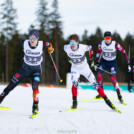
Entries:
{"x":17,"y":75}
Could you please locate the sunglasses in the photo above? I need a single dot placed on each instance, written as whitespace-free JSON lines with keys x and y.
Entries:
{"x":33,"y":38}
{"x":107,"y":38}
{"x":73,"y":43}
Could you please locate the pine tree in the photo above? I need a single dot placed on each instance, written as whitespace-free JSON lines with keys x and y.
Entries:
{"x":2,"y":58}
{"x":42,"y":16}
{"x":85,"y":37}
{"x":8,"y":25}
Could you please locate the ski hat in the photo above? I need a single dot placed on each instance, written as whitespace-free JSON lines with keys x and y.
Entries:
{"x":34,"y":32}
{"x":107,"y":34}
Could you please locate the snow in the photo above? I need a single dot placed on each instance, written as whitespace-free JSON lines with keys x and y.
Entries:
{"x":96,"y":117}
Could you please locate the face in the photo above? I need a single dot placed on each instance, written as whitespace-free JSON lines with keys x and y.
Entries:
{"x":33,"y":40}
{"x":73,"y":44}
{"x":107,"y":39}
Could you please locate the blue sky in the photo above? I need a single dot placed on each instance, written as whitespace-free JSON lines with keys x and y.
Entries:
{"x":78,"y":15}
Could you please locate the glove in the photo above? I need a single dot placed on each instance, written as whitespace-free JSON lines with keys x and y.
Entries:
{"x":91,"y":63}
{"x":69,"y":61}
{"x":51,"y":51}
{"x":96,"y":67}
{"x":129,"y":68}
{"x":50,"y":48}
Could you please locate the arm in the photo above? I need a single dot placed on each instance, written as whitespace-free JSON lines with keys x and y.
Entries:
{"x":98,"y":54}
{"x":120,"y":48}
{"x":90,"y":55}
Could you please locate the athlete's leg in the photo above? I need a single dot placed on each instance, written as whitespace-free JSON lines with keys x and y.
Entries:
{"x":35,"y":84}
{"x":17,"y":78}
{"x":91,"y":78}
{"x":100,"y":74}
{"x":115,"y":84}
{"x":74,"y":77}
{"x":99,"y":80}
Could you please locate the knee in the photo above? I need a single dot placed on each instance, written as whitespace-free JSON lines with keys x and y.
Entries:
{"x":35,"y":83}
{"x":113,"y":79}
{"x":95,"y":85}
{"x":75,"y":84}
{"x":35,"y":87}
{"x":99,"y":77}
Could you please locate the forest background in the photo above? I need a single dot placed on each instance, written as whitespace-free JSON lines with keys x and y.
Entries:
{"x":50,"y":26}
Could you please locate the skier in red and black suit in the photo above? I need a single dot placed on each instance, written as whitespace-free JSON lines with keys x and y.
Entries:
{"x":108,"y":49}
{"x":33,"y":51}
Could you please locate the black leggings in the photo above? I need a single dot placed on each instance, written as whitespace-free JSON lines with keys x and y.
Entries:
{"x":25,"y":71}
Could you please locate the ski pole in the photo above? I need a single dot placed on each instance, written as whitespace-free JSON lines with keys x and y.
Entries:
{"x":103,"y":70}
{"x":55,"y":68}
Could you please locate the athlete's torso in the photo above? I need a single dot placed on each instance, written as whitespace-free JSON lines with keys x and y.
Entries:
{"x":33,"y":57}
{"x":77,"y":57}
{"x":108,"y":51}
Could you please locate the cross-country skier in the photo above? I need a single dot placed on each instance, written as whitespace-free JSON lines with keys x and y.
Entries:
{"x":33,"y":51}
{"x":131,"y":79}
{"x":108,"y":49}
{"x":79,"y":66}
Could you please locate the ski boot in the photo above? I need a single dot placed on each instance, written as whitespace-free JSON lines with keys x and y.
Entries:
{"x":74,"y":105}
{"x":98,"y":97}
{"x":109,"y":103}
{"x":2,"y":97}
{"x":35,"y":108}
{"x":120,"y":98}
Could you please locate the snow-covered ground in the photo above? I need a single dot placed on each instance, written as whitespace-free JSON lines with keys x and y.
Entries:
{"x":96,"y":118}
